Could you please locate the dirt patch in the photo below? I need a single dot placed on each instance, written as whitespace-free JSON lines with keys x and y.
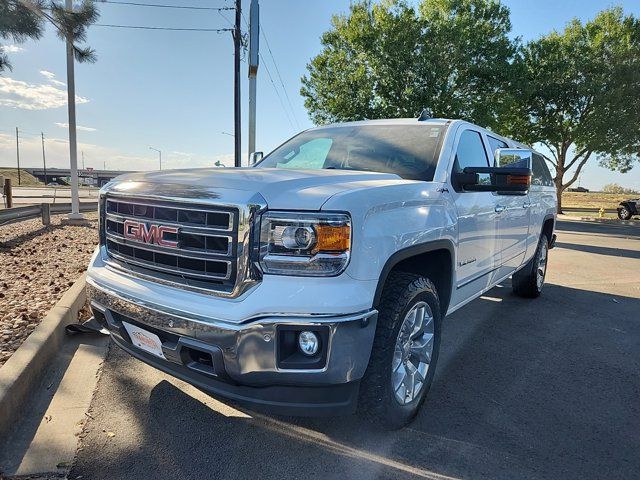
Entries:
{"x":593,"y":199}
{"x":37,"y":265}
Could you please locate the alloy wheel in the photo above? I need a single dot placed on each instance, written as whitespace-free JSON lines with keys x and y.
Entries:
{"x":541,"y":269}
{"x":413,"y":353}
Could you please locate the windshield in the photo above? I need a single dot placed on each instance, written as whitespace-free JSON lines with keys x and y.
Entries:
{"x":409,"y":151}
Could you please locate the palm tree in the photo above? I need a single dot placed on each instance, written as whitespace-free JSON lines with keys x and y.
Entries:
{"x":26,"y":19}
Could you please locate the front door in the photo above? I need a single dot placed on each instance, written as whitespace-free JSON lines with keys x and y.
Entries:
{"x":514,"y":211}
{"x":478,"y":255}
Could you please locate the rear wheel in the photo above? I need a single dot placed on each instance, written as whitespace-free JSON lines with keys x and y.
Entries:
{"x":405,"y":351}
{"x":624,"y":213}
{"x":529,"y":281}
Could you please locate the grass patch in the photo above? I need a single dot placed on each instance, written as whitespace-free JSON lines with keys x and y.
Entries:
{"x":26,"y":179}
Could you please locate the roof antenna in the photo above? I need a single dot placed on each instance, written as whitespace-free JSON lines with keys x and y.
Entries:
{"x":424,"y":115}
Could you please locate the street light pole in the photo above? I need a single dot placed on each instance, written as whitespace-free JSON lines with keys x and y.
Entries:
{"x":44,"y":160}
{"x":237,"y":37}
{"x":254,"y":34}
{"x":18,"y":155}
{"x":71,"y":101}
{"x":159,"y":153}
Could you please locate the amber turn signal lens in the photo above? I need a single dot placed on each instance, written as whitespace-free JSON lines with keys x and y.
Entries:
{"x":332,"y":239}
{"x":518,"y":180}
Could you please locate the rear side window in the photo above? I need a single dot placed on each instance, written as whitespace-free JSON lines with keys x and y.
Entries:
{"x":541,"y":174}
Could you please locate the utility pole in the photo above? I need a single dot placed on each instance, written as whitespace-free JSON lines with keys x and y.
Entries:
{"x":44,"y":160}
{"x":18,"y":155}
{"x":237,"y":39}
{"x":254,"y":35}
{"x":159,"y":153}
{"x":82,"y":152}
{"x":71,"y":101}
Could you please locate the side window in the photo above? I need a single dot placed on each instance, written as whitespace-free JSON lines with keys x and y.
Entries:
{"x":541,"y":175}
{"x":470,"y":151}
{"x":495,"y":144}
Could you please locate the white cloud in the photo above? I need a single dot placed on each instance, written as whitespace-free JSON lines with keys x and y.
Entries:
{"x":52,"y":78}
{"x":29,"y":96}
{"x":78,"y":127}
{"x":11,"y":48}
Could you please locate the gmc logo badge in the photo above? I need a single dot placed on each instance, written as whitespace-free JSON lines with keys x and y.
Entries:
{"x":151,"y":233}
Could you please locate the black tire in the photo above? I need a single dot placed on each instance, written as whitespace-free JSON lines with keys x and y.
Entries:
{"x":624,"y":213}
{"x":402,"y":291}
{"x":525,"y":281}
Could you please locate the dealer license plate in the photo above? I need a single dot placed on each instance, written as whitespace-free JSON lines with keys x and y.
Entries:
{"x":147,"y":341}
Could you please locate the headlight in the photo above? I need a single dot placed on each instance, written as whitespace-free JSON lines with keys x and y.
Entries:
{"x":307,"y":244}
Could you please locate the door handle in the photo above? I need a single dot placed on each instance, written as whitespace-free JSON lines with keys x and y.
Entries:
{"x":500,"y":208}
{"x":526,"y":205}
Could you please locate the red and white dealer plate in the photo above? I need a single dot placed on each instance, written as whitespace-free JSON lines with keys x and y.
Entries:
{"x":147,"y":341}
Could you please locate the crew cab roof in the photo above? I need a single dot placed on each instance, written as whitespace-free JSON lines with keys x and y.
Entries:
{"x":427,"y":122}
{"x":389,"y":121}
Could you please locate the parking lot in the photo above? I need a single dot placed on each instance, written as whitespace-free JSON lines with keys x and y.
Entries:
{"x":546,"y":388}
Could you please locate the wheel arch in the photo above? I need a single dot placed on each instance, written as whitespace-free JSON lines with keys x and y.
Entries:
{"x":548,"y":225}
{"x":630,"y":206}
{"x":435,"y":260}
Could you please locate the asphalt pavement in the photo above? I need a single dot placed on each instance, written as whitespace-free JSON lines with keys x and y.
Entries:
{"x":525,"y":389}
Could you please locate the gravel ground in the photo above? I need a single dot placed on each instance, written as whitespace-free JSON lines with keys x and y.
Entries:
{"x":37,"y":265}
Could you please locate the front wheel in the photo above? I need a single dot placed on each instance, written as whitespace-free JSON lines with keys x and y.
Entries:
{"x":405,"y":351}
{"x":529,"y":281}
{"x":624,"y":213}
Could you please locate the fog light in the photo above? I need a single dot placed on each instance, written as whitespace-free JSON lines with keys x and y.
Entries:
{"x":308,"y":343}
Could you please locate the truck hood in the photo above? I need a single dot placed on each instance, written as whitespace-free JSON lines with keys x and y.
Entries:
{"x":281,"y":188}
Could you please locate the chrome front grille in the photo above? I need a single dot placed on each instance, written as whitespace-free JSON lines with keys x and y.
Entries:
{"x":194,"y":245}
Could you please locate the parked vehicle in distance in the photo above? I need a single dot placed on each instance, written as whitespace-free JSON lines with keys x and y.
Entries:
{"x":317,"y":280}
{"x":579,"y":190}
{"x":628,"y":208}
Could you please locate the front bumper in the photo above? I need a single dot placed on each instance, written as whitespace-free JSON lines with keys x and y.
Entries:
{"x":242,"y":359}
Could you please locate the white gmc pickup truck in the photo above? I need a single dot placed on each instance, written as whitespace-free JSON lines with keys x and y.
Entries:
{"x":316,"y":280}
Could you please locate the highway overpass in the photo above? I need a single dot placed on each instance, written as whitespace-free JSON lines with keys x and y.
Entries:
{"x":88,"y":176}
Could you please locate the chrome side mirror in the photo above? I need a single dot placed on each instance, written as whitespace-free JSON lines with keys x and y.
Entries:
{"x":513,"y":158}
{"x":254,"y":158}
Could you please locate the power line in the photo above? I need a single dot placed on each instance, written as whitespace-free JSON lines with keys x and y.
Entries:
{"x":284,"y":109}
{"x":275,"y":64}
{"x":273,"y":84}
{"x":173,"y":29}
{"x":157,"y":5}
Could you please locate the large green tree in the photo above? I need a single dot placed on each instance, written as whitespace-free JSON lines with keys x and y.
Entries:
{"x":24,"y":19}
{"x":579,"y":94}
{"x":388,"y":59}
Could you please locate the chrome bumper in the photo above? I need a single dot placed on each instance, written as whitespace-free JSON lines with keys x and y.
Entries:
{"x":244,"y":354}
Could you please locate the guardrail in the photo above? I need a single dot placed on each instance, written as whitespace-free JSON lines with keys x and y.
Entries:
{"x":44,"y":211}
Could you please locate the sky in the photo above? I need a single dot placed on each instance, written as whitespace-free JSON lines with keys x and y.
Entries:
{"x":173,"y":91}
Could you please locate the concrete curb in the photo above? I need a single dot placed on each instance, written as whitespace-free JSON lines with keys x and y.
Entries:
{"x":612,"y":221}
{"x":23,"y":371}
